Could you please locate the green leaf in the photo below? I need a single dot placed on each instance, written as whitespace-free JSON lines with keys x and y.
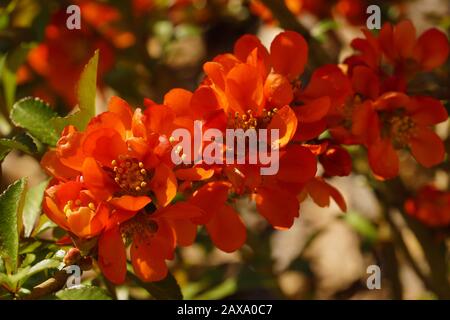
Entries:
{"x":83,"y":293}
{"x":5,"y":282}
{"x":32,"y":207}
{"x":4,"y":152}
{"x":167,"y":289}
{"x":11,"y":204}
{"x":34,"y":115}
{"x":22,"y":142}
{"x":223,"y":290}
{"x":87,"y":88}
{"x":38,"y":267}
{"x":362,"y":225}
{"x":10,"y":66}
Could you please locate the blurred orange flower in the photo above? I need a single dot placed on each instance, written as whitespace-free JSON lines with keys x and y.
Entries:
{"x":430,"y":206}
{"x":397,"y":121}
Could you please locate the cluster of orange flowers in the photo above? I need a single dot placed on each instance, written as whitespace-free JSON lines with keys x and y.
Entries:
{"x":115,"y":182}
{"x":383,"y":116}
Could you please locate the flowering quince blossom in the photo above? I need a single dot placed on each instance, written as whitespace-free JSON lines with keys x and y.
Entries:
{"x":379,"y":113}
{"x":120,"y":166}
{"x":116,"y":185}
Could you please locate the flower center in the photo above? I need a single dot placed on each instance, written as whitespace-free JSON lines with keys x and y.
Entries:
{"x":249,"y":121}
{"x":141,"y":226}
{"x":130,"y":175}
{"x":76,"y":206}
{"x":402,"y":128}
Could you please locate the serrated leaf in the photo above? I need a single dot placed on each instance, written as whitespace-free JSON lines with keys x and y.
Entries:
{"x":11,"y":204}
{"x":87,"y":88}
{"x":34,"y":115}
{"x":83,"y":293}
{"x":21,"y":142}
{"x":32,"y":207}
{"x":167,"y":289}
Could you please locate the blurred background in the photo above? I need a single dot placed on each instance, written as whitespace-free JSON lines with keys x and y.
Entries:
{"x":150,"y":46}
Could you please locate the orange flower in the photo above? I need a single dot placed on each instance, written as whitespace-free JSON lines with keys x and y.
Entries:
{"x":398,"y":46}
{"x":153,"y":237}
{"x":396,"y":121}
{"x":431,"y":206}
{"x":120,"y":159}
{"x":251,"y":88}
{"x":75,"y":209}
{"x":63,"y":54}
{"x":406,"y":52}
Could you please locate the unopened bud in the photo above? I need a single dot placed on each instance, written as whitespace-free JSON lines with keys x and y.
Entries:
{"x":72,"y":257}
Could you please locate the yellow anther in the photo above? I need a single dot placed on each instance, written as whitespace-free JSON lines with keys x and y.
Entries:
{"x":143,"y":184}
{"x":143,"y":171}
{"x":114,"y":163}
{"x":141,"y":165}
{"x":91,"y":206}
{"x":138,"y":188}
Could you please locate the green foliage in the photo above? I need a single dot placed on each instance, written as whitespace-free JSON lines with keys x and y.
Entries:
{"x":22,"y":142}
{"x":11,"y":204}
{"x":32,"y":207}
{"x":362,"y":225}
{"x":34,"y":115}
{"x":83,"y":293}
{"x":87,"y":87}
{"x":8,"y":69}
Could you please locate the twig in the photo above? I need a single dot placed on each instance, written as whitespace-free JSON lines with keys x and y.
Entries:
{"x":49,"y":286}
{"x":393,"y":193}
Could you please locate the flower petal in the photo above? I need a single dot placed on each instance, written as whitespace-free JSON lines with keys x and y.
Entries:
{"x":112,"y":256}
{"x":269,"y":200}
{"x":130,"y":203}
{"x":164,"y":184}
{"x":432,"y":49}
{"x":97,"y":180}
{"x":227,"y":230}
{"x":383,"y":159}
{"x":289,"y":53}
{"x":285,"y":121}
{"x":427,"y":147}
